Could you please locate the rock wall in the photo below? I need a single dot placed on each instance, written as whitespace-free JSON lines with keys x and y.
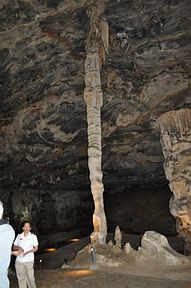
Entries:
{"x":176,"y":142}
{"x":43,"y":123}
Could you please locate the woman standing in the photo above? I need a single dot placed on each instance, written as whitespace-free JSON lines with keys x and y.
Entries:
{"x":26,"y":243}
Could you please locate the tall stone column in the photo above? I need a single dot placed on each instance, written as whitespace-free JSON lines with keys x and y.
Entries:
{"x":175,"y":127}
{"x":96,"y":48}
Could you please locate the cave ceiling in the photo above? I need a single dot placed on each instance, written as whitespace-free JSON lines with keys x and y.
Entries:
{"x":43,"y":143}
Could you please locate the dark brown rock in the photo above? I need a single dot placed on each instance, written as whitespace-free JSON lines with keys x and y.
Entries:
{"x":43,"y":126}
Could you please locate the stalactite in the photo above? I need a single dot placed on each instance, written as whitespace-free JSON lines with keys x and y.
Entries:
{"x":179,"y":121}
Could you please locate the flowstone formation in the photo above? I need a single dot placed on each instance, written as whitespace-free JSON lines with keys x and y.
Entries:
{"x":175,"y":129}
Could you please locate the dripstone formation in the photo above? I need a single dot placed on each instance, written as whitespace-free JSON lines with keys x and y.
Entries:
{"x":48,"y":82}
{"x":176,"y":142}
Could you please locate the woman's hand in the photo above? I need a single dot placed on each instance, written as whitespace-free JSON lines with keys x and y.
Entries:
{"x":16,"y":253}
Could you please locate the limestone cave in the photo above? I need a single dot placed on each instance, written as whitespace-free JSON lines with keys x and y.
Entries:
{"x":95,"y":118}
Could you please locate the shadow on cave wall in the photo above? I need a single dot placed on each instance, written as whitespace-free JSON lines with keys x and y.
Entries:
{"x":140,"y":210}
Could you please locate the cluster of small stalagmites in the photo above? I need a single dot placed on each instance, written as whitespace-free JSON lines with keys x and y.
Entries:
{"x":113,"y":249}
{"x":118,"y":248}
{"x":154,"y":248}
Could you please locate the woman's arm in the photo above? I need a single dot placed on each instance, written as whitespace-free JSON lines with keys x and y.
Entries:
{"x":15,"y":253}
{"x":17,"y":248}
{"x":34,"y":249}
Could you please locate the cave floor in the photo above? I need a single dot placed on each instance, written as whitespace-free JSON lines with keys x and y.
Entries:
{"x":66,"y":278}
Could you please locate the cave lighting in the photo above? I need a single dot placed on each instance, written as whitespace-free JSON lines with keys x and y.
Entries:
{"x":73,"y":240}
{"x":50,"y":249}
{"x":79,"y":273}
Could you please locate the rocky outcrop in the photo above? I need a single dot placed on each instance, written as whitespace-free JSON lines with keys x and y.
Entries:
{"x":175,"y":129}
{"x":154,"y":252}
{"x":155,"y":248}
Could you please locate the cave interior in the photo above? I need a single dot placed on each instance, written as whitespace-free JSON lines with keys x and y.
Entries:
{"x":145,"y":115}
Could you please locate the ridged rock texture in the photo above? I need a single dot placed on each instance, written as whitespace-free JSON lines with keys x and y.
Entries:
{"x":43,"y":118}
{"x":94,"y":100}
{"x":176,"y":142}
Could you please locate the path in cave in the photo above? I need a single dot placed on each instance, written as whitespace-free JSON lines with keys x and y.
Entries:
{"x":59,"y":278}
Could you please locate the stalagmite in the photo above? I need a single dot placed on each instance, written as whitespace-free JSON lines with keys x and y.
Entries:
{"x":175,"y":129}
{"x":118,"y":237}
{"x":96,"y":48}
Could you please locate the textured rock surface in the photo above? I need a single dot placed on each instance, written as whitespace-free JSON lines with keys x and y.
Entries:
{"x":176,"y":142}
{"x":94,"y":100}
{"x":153,"y":254}
{"x":43,"y":144}
{"x":155,"y":248}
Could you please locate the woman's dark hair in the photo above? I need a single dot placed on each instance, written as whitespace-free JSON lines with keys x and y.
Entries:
{"x":26,"y":221}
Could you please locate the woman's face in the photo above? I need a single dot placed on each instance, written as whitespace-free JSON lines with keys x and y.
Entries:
{"x":26,"y":227}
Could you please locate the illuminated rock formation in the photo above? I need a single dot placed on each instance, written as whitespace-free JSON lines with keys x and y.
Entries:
{"x":175,"y":129}
{"x":95,"y":54}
